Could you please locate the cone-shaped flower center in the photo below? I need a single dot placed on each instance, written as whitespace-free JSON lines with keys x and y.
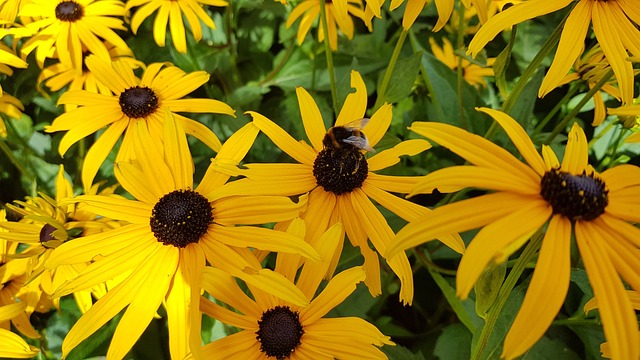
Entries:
{"x":279,"y":332}
{"x":69,"y":11}
{"x":578,"y":197}
{"x":340,"y":169}
{"x":138,"y":102}
{"x":180,"y":218}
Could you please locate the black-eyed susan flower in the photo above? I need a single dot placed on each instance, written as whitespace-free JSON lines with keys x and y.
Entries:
{"x":615,"y":41}
{"x":339,"y":13}
{"x":174,"y":228}
{"x":272,"y":328}
{"x":474,"y":74}
{"x":592,"y":304}
{"x":170,"y":12}
{"x":11,"y":345}
{"x":591,"y":67}
{"x":57,"y":76}
{"x":44,"y":224}
{"x":568,"y":198}
{"x":65,"y":27}
{"x":343,"y":184}
{"x":133,"y":100}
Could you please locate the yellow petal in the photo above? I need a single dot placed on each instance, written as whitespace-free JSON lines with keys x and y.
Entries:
{"x":618,"y":317}
{"x":548,"y":286}
{"x":355,"y":104}
{"x":100,"y":150}
{"x":311,"y":118}
{"x":340,"y":286}
{"x":576,"y":155}
{"x":390,"y":157}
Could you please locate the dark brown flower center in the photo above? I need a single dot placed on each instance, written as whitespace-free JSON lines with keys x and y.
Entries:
{"x":180,"y":218}
{"x":279,"y":332}
{"x":138,"y":102}
{"x":578,"y":197}
{"x":340,"y":170}
{"x":69,"y":11}
{"x":46,"y":234}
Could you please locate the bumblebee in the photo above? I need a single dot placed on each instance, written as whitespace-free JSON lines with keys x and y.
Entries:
{"x":348,"y":135}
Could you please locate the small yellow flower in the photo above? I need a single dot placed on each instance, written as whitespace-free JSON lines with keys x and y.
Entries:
{"x":171,"y":12}
{"x":474,"y":74}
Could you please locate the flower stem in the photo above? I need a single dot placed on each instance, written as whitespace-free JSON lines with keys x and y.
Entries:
{"x":328,"y":52}
{"x":521,"y":264}
{"x":572,"y":114}
{"x":389,"y":71}
{"x":553,"y":111}
{"x":533,"y":67}
{"x":460,"y":75}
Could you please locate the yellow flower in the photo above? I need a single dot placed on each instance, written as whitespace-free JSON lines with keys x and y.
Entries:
{"x":342,"y":184}
{"x":592,"y":304}
{"x":273,"y":328}
{"x":12,"y":345}
{"x":66,"y":26}
{"x":338,"y":12}
{"x":591,"y":68}
{"x":44,"y":225}
{"x":173,"y":230}
{"x":59,"y":75}
{"x":631,"y":116}
{"x":474,"y":74}
{"x":171,"y":12}
{"x":133,"y":100}
{"x":569,"y":198}
{"x":615,"y":40}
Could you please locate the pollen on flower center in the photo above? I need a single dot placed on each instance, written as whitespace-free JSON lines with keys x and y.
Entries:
{"x":578,"y":197}
{"x":138,"y":102}
{"x":180,"y":218}
{"x":340,"y":170}
{"x":279,"y":332}
{"x":69,"y":11}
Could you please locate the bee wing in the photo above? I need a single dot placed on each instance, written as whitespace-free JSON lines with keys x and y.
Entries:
{"x":356,"y":124}
{"x":359,"y":142}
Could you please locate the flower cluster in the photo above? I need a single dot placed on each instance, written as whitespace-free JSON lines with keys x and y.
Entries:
{"x":309,"y":179}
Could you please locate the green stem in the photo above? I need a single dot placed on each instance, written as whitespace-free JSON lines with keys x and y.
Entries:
{"x":521,"y":264}
{"x":285,"y":58}
{"x":555,"y":109}
{"x":533,"y":67}
{"x":389,"y":71}
{"x":572,"y":114}
{"x":328,"y":52}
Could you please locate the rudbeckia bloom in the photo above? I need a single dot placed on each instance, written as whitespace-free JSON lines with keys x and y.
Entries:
{"x":44,"y":225}
{"x":592,"y":304}
{"x":342,"y":184}
{"x":591,"y":68}
{"x":569,"y":199}
{"x":173,"y":227}
{"x":615,"y":41}
{"x":338,"y":17}
{"x":171,"y":12}
{"x":11,"y":345}
{"x":66,"y":26}
{"x":474,"y":74}
{"x":161,"y":87}
{"x":273,"y":328}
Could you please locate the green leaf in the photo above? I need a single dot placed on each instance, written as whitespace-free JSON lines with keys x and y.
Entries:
{"x":454,"y":343}
{"x":547,"y":348}
{"x":401,"y":353}
{"x":402,"y":78}
{"x":501,"y":63}
{"x":488,"y":286}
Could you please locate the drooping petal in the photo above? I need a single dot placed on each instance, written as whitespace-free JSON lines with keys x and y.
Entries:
{"x":618,"y":317}
{"x":549,"y":286}
{"x":313,"y":272}
{"x":457,"y":217}
{"x":489,"y":243}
